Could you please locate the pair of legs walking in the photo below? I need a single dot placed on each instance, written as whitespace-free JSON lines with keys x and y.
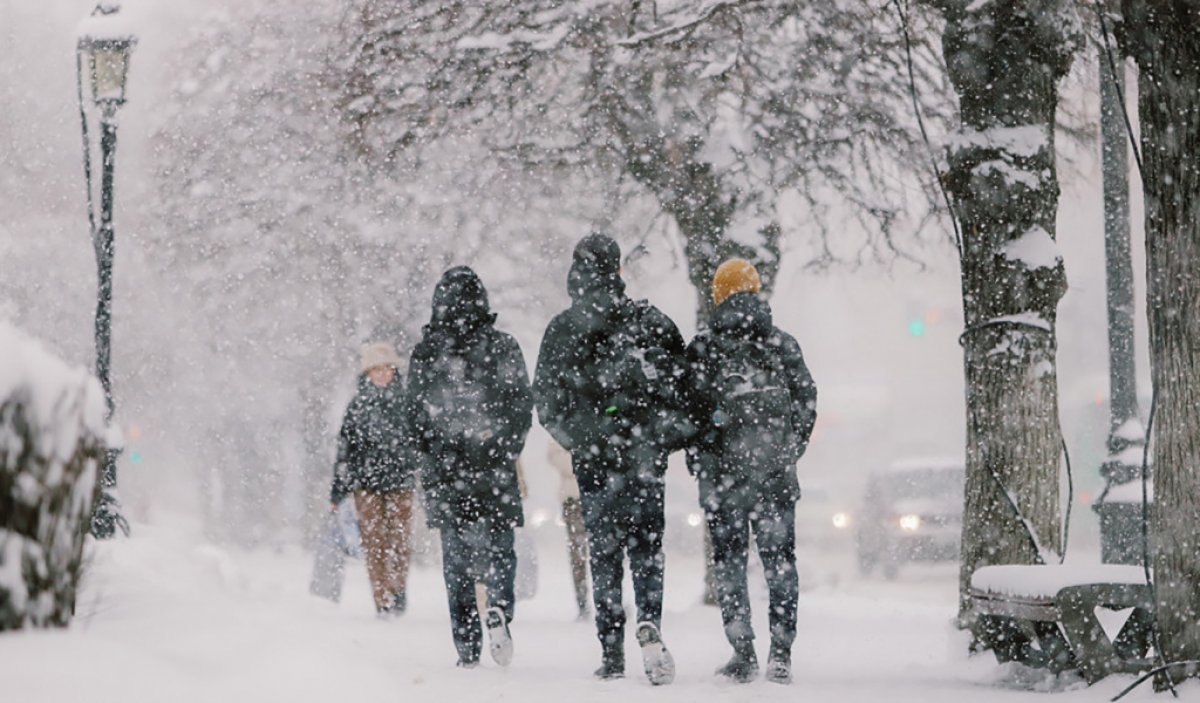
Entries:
{"x":624,"y":517}
{"x":385,"y":524}
{"x":577,"y":550}
{"x":774,"y":528}
{"x":484,"y":552}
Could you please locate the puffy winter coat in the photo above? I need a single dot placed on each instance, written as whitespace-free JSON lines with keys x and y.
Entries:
{"x":374,"y":444}
{"x":610,"y":371}
{"x":471,"y":407}
{"x":742,"y":341}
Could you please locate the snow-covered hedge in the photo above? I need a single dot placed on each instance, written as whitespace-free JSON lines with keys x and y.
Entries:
{"x":51,"y":445}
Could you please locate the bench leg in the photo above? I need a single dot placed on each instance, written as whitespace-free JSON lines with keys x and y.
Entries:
{"x":1004,"y":636}
{"x":1055,"y":647}
{"x":1099,"y":656}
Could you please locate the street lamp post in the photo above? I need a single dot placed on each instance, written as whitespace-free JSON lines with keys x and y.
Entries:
{"x":1120,"y":517}
{"x":102,"y":65}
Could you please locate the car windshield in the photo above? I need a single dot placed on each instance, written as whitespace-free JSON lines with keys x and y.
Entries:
{"x":924,"y":483}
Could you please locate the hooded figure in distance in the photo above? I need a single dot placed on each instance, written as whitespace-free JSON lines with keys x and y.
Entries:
{"x":471,"y":410}
{"x":754,"y":402}
{"x":608,"y":389}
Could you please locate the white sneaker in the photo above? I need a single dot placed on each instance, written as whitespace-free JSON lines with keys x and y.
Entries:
{"x":660,"y":665}
{"x":500,"y":642}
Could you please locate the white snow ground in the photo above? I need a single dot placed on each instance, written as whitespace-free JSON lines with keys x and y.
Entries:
{"x":167,"y":617}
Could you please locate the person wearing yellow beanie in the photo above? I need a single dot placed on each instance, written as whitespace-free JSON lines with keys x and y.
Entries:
{"x":754,"y":401}
{"x":735,"y":276}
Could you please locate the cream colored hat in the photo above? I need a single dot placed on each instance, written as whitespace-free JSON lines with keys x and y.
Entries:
{"x":379,"y":354}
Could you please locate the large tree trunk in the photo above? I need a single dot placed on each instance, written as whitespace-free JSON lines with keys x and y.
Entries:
{"x":1163,"y":37}
{"x":52,"y":446}
{"x":1005,"y":59}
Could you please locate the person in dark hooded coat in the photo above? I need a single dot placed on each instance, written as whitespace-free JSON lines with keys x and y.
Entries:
{"x":471,"y":409}
{"x":607,"y":387}
{"x":754,"y":401}
{"x":375,"y":464}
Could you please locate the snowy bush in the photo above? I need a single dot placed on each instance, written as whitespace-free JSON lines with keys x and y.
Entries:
{"x":51,"y":444}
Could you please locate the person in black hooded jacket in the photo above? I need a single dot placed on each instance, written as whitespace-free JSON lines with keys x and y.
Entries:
{"x":754,"y":401}
{"x":471,"y":409}
{"x":607,"y":387}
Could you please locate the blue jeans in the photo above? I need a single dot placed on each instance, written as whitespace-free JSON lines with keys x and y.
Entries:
{"x":774,"y":528}
{"x":480,"y":551}
{"x":624,"y":517}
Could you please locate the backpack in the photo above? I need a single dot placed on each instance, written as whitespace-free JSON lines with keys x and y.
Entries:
{"x":467,"y":395}
{"x":754,"y":410}
{"x":636,"y":373}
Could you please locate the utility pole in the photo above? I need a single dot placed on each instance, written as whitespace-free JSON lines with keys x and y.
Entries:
{"x":1120,"y":517}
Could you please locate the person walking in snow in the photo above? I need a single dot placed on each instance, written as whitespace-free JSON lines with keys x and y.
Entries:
{"x":754,"y":401}
{"x":572,"y":515}
{"x":374,"y":464}
{"x":471,"y":410}
{"x":607,"y":390}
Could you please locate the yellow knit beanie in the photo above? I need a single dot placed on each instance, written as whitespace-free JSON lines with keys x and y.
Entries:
{"x":735,"y":276}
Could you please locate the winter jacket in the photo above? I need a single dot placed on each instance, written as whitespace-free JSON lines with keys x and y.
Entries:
{"x":742,"y":335}
{"x":471,"y":407}
{"x":609,"y":372}
{"x":374,"y":445}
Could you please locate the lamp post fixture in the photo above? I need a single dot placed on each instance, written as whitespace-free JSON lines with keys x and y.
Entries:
{"x":102,"y":65}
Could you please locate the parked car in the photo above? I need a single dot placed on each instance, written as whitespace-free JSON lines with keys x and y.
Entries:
{"x":911,"y":511}
{"x":823,"y":521}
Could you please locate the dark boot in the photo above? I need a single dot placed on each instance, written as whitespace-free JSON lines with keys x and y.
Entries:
{"x":399,"y":603}
{"x":743,"y":666}
{"x":779,"y":665}
{"x":612,"y":665}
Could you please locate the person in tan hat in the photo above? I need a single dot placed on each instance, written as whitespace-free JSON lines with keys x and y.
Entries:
{"x":375,"y":465}
{"x":754,"y":401}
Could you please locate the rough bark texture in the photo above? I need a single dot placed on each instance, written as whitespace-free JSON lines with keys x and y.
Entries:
{"x":46,"y":502}
{"x":1005,"y":59}
{"x":1163,"y":38}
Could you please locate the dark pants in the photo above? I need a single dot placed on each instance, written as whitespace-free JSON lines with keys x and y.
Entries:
{"x":481,"y":551}
{"x":624,"y":517}
{"x":577,"y":550}
{"x":774,"y":528}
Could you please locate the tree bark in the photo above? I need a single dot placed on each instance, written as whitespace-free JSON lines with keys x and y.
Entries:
{"x":1005,"y":59}
{"x":47,"y":489}
{"x":1162,"y":37}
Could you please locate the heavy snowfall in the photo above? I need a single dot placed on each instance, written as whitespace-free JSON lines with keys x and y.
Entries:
{"x":209,"y":465}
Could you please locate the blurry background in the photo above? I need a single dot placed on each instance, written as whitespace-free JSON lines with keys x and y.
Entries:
{"x":253,"y":258}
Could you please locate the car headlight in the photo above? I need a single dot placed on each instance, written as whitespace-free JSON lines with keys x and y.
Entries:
{"x":910,"y":523}
{"x":540,"y":517}
{"x":695,"y":519}
{"x":841,"y":520}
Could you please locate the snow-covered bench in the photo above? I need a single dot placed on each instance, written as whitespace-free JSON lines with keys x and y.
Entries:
{"x":1054,"y":616}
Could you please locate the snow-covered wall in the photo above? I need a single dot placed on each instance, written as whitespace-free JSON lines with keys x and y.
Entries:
{"x":52,"y":436}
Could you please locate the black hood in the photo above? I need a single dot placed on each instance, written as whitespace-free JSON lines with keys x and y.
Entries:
{"x":743,"y":316}
{"x":596,"y":269}
{"x":460,"y":303}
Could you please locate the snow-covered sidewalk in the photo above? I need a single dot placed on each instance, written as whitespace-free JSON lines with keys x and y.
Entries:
{"x":169,"y":618}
